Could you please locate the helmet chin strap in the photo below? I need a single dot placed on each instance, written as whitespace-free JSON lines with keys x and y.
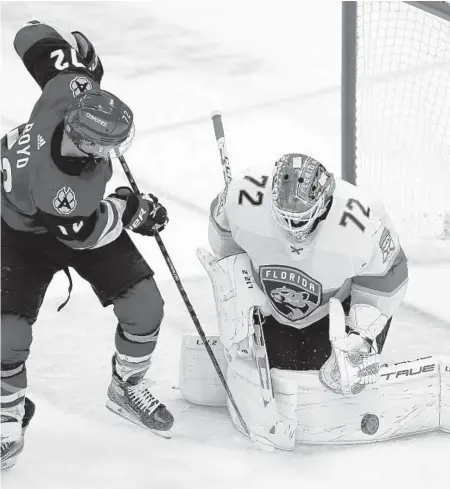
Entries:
{"x":84,"y":152}
{"x":70,"y":148}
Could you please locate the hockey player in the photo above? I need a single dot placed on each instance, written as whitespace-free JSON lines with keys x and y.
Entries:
{"x":283,"y":247}
{"x":54,"y":215}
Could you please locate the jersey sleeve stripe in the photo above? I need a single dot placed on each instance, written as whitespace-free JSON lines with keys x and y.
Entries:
{"x":108,"y":226}
{"x":213,"y":209}
{"x":114,"y":226}
{"x":220,"y":230}
{"x":388,"y":283}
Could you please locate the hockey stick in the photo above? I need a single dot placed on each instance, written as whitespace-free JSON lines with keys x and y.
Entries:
{"x":188,"y":304}
{"x":262,"y":361}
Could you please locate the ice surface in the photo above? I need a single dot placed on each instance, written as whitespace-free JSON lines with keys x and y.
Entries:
{"x":273,"y":69}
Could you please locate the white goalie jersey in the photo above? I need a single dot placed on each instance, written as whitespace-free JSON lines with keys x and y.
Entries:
{"x":353,"y":251}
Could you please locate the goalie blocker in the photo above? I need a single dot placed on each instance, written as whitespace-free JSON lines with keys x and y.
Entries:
{"x":410,"y":397}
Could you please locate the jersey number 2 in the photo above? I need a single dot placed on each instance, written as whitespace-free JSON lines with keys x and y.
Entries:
{"x":349,"y":215}
{"x":244,"y":195}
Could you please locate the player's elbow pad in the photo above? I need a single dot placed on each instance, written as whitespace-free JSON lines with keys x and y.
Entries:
{"x":386,"y":292}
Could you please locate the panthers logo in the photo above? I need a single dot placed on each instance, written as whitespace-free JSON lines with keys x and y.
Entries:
{"x":296,"y":304}
{"x":293,"y":294}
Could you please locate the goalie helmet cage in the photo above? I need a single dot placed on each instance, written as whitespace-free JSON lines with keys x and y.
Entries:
{"x":396,"y":110}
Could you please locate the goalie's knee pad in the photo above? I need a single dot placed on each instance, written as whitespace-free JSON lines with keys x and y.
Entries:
{"x":199,"y":381}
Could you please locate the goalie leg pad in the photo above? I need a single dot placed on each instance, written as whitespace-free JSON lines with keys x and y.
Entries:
{"x":445,"y":394}
{"x":198,"y":380}
{"x":244,"y":383}
{"x":410,"y":397}
{"x":405,"y":401}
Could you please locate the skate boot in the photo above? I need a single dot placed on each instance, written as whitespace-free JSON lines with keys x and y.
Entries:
{"x":131,"y":398}
{"x":14,"y":422}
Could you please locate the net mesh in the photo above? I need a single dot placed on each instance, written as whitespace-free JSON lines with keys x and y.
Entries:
{"x":403,"y":114}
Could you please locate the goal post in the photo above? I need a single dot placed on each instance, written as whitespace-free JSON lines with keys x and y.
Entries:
{"x":395,"y":117}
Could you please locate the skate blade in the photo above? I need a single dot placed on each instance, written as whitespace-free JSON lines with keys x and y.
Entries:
{"x":123,"y":413}
{"x":10,"y":462}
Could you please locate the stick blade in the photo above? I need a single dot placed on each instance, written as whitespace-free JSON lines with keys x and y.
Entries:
{"x":337,"y":319}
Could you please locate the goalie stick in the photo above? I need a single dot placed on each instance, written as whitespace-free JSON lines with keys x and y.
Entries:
{"x":262,"y":361}
{"x":188,"y":304}
{"x":337,"y":320}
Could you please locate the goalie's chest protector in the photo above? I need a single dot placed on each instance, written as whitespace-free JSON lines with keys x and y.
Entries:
{"x":298,"y":278}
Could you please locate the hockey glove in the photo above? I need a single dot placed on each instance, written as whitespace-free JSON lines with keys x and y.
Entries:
{"x":355,"y":360}
{"x":88,"y":55}
{"x":143,"y":213}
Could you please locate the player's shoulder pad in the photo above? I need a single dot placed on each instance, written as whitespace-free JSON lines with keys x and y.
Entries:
{"x":227,"y":198}
{"x":226,"y":208}
{"x":380,"y":235}
{"x":46,"y":51}
{"x":351,"y":224}
{"x":354,"y":200}
{"x":249,"y":188}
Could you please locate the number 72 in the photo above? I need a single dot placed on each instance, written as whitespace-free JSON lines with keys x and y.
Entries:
{"x":349,"y":216}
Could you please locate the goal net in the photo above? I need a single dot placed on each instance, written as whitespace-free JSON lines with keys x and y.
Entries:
{"x":396,"y":110}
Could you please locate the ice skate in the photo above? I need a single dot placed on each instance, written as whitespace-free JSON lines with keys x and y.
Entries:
{"x":133,"y":400}
{"x":14,"y":422}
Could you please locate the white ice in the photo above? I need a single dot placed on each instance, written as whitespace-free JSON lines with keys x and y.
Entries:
{"x":273,"y":70}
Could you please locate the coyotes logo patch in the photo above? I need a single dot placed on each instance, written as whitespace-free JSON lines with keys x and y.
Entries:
{"x":79,"y":85}
{"x":292,"y":293}
{"x":65,"y":201}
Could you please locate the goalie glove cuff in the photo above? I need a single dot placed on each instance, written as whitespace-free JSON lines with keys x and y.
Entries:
{"x":367,"y":321}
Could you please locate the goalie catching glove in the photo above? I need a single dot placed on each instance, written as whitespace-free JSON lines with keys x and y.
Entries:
{"x":143,"y":213}
{"x":354,"y":360}
{"x":237,"y":298}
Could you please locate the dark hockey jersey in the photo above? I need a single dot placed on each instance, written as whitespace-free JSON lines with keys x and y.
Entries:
{"x":43,"y":191}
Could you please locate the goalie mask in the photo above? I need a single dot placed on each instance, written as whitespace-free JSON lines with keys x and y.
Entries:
{"x":100,"y":124}
{"x":302,"y":190}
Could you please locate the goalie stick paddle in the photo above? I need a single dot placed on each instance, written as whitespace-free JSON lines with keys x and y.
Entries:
{"x":337,"y":331}
{"x":337,"y":320}
{"x":262,"y":361}
{"x":187,"y":303}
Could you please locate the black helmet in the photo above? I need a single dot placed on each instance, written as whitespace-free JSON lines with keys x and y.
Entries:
{"x":99,"y":123}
